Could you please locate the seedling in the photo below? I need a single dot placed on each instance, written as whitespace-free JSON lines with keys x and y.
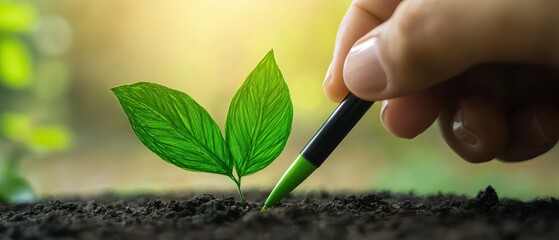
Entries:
{"x":180,"y":131}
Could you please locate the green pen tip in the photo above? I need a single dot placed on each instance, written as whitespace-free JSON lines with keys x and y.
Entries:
{"x":299,"y":170}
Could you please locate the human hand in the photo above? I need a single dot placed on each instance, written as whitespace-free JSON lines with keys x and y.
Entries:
{"x":488,"y":70}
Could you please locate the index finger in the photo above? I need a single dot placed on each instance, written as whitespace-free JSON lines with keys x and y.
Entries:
{"x":361,"y":17}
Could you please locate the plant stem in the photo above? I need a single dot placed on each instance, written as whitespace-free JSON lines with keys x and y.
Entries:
{"x":238,"y":183}
{"x":241,"y":195}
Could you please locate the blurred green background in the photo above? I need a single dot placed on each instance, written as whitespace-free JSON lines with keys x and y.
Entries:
{"x":59,"y":58}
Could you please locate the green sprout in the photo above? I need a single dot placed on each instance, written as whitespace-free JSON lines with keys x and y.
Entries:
{"x":180,"y":131}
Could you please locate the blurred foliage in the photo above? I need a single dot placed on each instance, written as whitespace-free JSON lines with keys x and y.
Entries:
{"x":15,"y":63}
{"x":50,"y":138}
{"x":19,"y":130}
{"x":14,"y":188}
{"x":15,"y":127}
{"x":17,"y":16}
{"x":23,"y":133}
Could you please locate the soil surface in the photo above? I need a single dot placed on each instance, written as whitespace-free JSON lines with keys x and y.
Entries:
{"x":380,"y":215}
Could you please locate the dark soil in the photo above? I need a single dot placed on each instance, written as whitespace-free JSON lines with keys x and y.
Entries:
{"x":313,"y":216}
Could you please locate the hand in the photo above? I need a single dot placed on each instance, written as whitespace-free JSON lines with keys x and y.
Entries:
{"x":488,"y":70}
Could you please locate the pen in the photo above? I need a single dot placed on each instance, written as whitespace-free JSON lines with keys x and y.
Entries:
{"x":332,"y":132}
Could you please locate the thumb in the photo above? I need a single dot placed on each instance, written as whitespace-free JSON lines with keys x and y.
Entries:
{"x":426,"y":42}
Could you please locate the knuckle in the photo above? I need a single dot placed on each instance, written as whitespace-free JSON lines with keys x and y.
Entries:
{"x":427,"y":24}
{"x":422,"y":35}
{"x":408,"y":30}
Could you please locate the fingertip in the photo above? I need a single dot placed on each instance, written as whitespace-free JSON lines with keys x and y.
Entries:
{"x":410,"y":115}
{"x":335,"y":94}
{"x":360,"y":19}
{"x":333,"y":86}
{"x":363,"y":72}
{"x":533,"y":131}
{"x":475,"y":129}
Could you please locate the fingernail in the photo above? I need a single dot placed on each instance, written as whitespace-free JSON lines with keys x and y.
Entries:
{"x":535,"y":133}
{"x":461,"y":132}
{"x":363,"y":70}
{"x":328,"y":76}
{"x":382,"y":109}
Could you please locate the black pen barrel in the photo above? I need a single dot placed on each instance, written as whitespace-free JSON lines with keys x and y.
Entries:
{"x":333,"y":131}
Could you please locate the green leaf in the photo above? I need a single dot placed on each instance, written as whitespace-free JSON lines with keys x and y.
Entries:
{"x":172,"y":125}
{"x":259,"y":119}
{"x":14,"y":188}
